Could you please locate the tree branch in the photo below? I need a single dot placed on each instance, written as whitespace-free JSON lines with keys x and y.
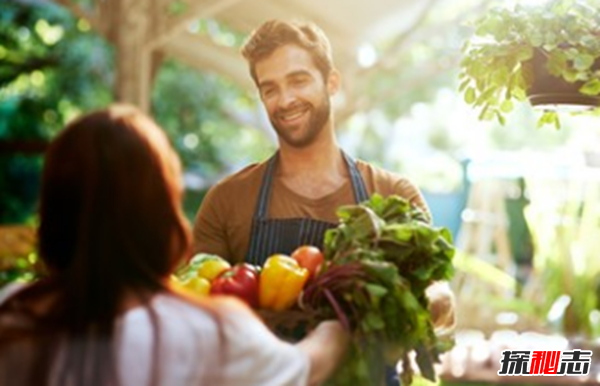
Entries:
{"x":392,"y":56}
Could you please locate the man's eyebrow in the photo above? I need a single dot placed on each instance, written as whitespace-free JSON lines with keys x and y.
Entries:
{"x":298,"y":73}
{"x":293,"y":74}
{"x":265,"y":83}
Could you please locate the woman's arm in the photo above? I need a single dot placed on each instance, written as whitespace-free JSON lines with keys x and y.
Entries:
{"x":325,"y":347}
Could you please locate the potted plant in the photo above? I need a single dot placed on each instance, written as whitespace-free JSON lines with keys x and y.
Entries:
{"x":548,"y":54}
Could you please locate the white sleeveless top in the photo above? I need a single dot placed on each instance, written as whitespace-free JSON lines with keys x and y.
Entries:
{"x":252,"y":355}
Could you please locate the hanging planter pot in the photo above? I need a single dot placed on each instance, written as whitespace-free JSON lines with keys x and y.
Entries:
{"x":503,"y":61}
{"x":549,"y":91}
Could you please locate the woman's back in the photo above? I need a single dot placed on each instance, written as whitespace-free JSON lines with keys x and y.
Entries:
{"x":111,"y":233}
{"x":195,"y":348}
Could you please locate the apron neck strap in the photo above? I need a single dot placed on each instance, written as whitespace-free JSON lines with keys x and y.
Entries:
{"x":358,"y":184}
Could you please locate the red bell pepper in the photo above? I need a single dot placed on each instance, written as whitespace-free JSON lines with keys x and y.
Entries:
{"x":241,"y":281}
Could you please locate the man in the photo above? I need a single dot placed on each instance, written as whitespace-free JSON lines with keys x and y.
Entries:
{"x":291,"y":199}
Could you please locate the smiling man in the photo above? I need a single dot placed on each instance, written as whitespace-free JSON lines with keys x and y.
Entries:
{"x":291,"y":199}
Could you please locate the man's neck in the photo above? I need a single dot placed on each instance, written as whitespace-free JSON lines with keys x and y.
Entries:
{"x":313,"y":171}
{"x":320,"y":159}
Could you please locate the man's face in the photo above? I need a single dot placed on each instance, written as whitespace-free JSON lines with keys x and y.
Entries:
{"x":295,"y":95}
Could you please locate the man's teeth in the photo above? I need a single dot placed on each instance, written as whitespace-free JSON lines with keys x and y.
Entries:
{"x":291,"y":117}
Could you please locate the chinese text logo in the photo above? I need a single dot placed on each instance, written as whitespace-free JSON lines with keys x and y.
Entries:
{"x":551,"y":363}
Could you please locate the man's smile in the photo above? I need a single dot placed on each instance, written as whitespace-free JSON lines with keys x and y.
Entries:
{"x":293,"y":115}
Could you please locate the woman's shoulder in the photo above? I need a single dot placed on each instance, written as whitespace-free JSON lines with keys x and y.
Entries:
{"x":10,"y":289}
{"x":183,"y":318}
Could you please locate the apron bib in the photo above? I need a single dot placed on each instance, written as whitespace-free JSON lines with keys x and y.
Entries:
{"x":270,"y":236}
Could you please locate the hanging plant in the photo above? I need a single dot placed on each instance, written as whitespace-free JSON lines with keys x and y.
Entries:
{"x":546,"y":54}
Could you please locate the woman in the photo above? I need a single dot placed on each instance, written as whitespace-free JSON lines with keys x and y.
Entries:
{"x":111,"y":232}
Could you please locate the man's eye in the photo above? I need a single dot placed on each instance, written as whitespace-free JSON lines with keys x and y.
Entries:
{"x":267,"y":92}
{"x":299,"y":81}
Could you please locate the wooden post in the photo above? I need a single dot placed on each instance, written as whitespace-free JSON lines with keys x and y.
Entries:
{"x":131,"y":30}
{"x":140,"y":30}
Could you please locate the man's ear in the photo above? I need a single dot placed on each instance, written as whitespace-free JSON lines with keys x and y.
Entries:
{"x":334,"y":82}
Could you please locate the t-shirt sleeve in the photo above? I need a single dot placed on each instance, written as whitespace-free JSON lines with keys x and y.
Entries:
{"x":10,"y":289}
{"x":257,"y":357}
{"x":209,"y":230}
{"x":405,"y":188}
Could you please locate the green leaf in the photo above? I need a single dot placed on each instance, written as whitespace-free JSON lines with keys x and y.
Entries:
{"x":470,"y":95}
{"x":536,"y":39}
{"x":486,"y":114}
{"x":524,"y":53}
{"x":572,"y":53}
{"x":570,"y":76}
{"x":425,"y":359}
{"x":487,"y":97}
{"x":519,"y":94}
{"x":376,"y":290}
{"x":583,"y":62}
{"x":557,"y":63}
{"x":506,"y":106}
{"x":464,"y":85}
{"x":373,"y":322}
{"x":500,"y":117}
{"x":560,"y":8}
{"x":376,"y":293}
{"x":549,"y":118}
{"x":556,"y":121}
{"x":591,"y":87}
{"x":385,"y":272}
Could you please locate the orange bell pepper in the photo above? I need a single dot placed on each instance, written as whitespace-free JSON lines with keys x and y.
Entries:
{"x":281,"y":281}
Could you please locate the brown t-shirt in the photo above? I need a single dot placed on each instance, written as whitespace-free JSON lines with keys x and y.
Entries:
{"x":223,"y":223}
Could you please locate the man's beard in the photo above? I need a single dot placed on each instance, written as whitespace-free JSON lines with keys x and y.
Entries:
{"x":318,"y":118}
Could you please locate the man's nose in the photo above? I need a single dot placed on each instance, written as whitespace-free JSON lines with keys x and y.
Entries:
{"x":287,"y":97}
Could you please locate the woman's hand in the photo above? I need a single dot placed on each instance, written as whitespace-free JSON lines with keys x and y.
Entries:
{"x":325,"y":347}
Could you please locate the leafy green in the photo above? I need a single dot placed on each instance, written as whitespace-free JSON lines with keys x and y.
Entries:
{"x":497,"y":63}
{"x":380,"y":260}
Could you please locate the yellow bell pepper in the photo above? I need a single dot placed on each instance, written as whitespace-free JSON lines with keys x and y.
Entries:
{"x":281,"y":281}
{"x":197,"y":285}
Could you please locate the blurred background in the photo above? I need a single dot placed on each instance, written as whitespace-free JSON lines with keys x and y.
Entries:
{"x":522,"y":202}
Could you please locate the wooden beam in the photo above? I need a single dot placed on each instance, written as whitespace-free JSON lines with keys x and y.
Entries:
{"x":202,"y":53}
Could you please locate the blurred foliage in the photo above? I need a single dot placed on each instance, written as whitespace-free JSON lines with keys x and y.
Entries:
{"x":51,"y":68}
{"x":197,"y":111}
{"x":566,"y":270}
{"x":19,"y":187}
{"x":21,"y":269}
{"x":54,"y":67}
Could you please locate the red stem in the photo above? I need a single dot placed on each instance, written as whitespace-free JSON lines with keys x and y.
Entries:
{"x":338,"y":310}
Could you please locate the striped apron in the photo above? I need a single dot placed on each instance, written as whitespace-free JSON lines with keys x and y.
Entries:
{"x":269,"y":236}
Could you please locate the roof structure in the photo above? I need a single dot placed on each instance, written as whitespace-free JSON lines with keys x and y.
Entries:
{"x":145,"y":31}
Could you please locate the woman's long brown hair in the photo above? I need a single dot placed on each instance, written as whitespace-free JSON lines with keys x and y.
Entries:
{"x":110,"y":227}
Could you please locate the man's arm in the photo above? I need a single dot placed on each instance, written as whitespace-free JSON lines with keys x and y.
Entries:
{"x":209,"y":232}
{"x":442,"y":307}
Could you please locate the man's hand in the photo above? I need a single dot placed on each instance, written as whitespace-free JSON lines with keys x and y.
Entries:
{"x":442,"y":307}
